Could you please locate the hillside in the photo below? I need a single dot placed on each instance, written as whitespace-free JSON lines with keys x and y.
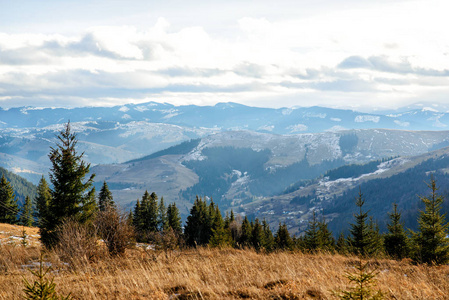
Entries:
{"x":399,"y":180}
{"x":21,"y":186}
{"x":238,"y":167}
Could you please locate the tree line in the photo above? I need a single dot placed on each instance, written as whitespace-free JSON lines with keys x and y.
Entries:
{"x":72,"y":197}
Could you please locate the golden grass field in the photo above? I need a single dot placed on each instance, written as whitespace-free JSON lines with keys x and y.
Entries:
{"x":216,"y":274}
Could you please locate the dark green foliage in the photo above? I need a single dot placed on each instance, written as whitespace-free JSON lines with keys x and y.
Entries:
{"x":363,"y":282}
{"x":41,"y":288}
{"x":341,"y":245}
{"x":197,"y":230}
{"x":42,"y":201}
{"x":8,"y":204}
{"x":221,"y":236}
{"x":402,"y":187}
{"x":26,"y":214}
{"x":105,"y":198}
{"x":348,"y":142}
{"x":363,"y":239}
{"x":20,"y":185}
{"x":257,"y":236}
{"x":246,"y":233}
{"x":174,"y":219}
{"x":70,"y":197}
{"x":396,"y":241}
{"x":162,"y":220}
{"x":431,"y":243}
{"x":353,"y":170}
{"x":282,"y":239}
{"x":268,"y":237}
{"x":183,"y":148}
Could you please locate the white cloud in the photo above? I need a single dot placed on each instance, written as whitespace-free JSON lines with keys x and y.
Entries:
{"x":355,"y":54}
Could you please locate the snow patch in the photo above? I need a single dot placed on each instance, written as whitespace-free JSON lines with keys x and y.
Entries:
{"x":123,"y":109}
{"x":367,"y":118}
{"x":126,"y":117}
{"x":266,"y":127}
{"x":141,"y":108}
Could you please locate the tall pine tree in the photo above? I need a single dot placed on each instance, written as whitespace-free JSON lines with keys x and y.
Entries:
{"x":105,"y":199}
{"x":396,"y":241}
{"x":8,"y":204}
{"x":431,"y":241}
{"x":26,"y":214}
{"x":70,"y":197}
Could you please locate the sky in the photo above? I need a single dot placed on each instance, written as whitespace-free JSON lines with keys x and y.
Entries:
{"x":356,"y":54}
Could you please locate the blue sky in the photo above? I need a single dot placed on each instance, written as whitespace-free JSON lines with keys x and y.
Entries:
{"x":365,"y":55}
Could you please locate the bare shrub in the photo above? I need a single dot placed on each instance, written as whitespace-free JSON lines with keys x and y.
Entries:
{"x":115,"y":231}
{"x":77,"y":243}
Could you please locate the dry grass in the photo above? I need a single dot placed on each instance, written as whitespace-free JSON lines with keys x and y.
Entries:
{"x":217,"y":274}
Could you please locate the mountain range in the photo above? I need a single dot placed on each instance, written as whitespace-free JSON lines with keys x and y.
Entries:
{"x":277,"y":164}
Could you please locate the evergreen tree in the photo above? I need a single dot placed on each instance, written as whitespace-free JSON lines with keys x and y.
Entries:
{"x":221,"y":237}
{"x":151,"y":212}
{"x":327,"y":241}
{"x":196,"y":231}
{"x":69,"y":193}
{"x":341,"y":244}
{"x":42,"y":201}
{"x":268,"y":236}
{"x":174,"y":219}
{"x":138,"y":218}
{"x":257,"y":236}
{"x":360,"y":240}
{"x":8,"y":204}
{"x":105,"y":199}
{"x":312,"y":240}
{"x":282,"y":238}
{"x":26,"y":215}
{"x":162,"y":220}
{"x":396,"y":240}
{"x":376,"y":239}
{"x":431,"y":241}
{"x":245,"y":237}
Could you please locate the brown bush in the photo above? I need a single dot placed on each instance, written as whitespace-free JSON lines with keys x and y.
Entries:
{"x":115,"y":231}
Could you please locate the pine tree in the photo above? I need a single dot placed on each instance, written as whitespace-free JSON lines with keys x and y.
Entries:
{"x":162,"y":221}
{"x":312,"y":240}
{"x":257,"y":236}
{"x":220,"y":236}
{"x":26,"y":215}
{"x":431,"y":242}
{"x":245,"y":237}
{"x":196,"y":231}
{"x":69,"y":194}
{"x":396,"y":240}
{"x":174,"y":219}
{"x":341,"y":244}
{"x":8,"y":204}
{"x":268,"y":236}
{"x":42,"y":201}
{"x":282,"y":238}
{"x":105,"y":199}
{"x":327,"y":241}
{"x":360,"y":239}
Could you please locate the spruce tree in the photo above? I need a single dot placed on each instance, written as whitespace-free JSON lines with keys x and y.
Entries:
{"x":327,"y":241}
{"x":105,"y":199}
{"x":26,"y":214}
{"x":174,"y":218}
{"x":70,"y":197}
{"x":42,"y":202}
{"x":431,"y":241}
{"x":312,"y":240}
{"x":162,"y":221}
{"x":257,"y":236}
{"x":245,"y":237}
{"x":196,"y":231}
{"x":268,"y":236}
{"x":8,"y":204}
{"x":282,"y":238}
{"x":396,"y":240}
{"x":360,"y":239}
{"x":220,"y":237}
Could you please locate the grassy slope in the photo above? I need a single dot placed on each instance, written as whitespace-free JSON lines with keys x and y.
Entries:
{"x":217,"y":274}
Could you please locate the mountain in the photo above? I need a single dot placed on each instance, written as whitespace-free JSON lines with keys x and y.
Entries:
{"x":398,"y":180}
{"x":229,"y":116}
{"x":239,"y":167}
{"x":20,"y":185}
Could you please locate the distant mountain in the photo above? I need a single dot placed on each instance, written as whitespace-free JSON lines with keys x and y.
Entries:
{"x":229,"y":116}
{"x":240,"y":167}
{"x":398,"y":180}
